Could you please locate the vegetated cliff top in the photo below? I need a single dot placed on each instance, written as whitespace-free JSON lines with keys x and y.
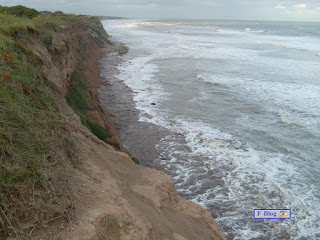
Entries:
{"x":58,"y":179}
{"x":23,"y":17}
{"x":31,"y":126}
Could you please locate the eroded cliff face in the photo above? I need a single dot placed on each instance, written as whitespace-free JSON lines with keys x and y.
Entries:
{"x":111,"y":196}
{"x":67,"y":47}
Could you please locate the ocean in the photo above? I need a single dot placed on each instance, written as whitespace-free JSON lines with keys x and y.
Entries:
{"x":240,"y":103}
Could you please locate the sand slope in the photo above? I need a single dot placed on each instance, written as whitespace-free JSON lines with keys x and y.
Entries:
{"x":112,"y":198}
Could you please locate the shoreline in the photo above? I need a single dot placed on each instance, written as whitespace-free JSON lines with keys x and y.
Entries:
{"x":139,"y":138}
{"x":147,"y":197}
{"x":89,"y":186}
{"x":229,"y":166}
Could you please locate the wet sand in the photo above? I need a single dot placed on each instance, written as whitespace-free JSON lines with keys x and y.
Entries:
{"x":139,"y":138}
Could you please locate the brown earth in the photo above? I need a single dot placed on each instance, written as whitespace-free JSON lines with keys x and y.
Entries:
{"x":107,"y":194}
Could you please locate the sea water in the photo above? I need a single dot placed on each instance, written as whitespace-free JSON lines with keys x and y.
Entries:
{"x":241,"y":100}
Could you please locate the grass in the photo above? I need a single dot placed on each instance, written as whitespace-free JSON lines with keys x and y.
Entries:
{"x":78,"y":99}
{"x":67,"y":45}
{"x":30,"y":122}
{"x":20,"y":11}
{"x":28,"y":116}
{"x":97,"y":130}
{"x":14,"y":20}
{"x":110,"y":222}
{"x":136,"y":161}
{"x":10,"y":24}
{"x":109,"y":228}
{"x":49,"y":21}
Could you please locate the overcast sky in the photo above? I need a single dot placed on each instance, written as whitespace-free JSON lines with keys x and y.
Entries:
{"x":286,"y":10}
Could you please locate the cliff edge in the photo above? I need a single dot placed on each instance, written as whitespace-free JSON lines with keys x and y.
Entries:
{"x":64,"y":173}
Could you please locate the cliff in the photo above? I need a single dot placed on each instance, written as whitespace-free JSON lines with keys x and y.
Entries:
{"x":64,"y":173}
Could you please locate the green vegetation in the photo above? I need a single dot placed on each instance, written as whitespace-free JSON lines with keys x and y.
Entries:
{"x":80,"y":102}
{"x":110,"y":222}
{"x":28,"y":118}
{"x":20,"y":11}
{"x":10,"y":25}
{"x":14,"y":20}
{"x":97,"y":130}
{"x":78,"y":98}
{"x":31,"y":129}
{"x":110,"y":228}
{"x":67,"y":44}
{"x":43,"y":25}
{"x":136,"y":161}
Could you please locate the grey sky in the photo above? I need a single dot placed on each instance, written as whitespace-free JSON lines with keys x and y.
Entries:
{"x":287,"y":10}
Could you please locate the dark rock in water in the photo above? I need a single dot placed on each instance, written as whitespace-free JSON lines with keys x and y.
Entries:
{"x":284,"y":235}
{"x":305,"y":238}
{"x":260,"y":238}
{"x":153,"y":104}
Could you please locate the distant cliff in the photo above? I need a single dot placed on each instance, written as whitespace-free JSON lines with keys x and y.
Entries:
{"x":63,"y":171}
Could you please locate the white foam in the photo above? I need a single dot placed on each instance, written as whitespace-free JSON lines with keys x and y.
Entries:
{"x":301,"y":97}
{"x":250,"y":176}
{"x":304,"y":43}
{"x":137,"y":74}
{"x":228,"y":32}
{"x":218,"y":79}
{"x":140,"y":23}
{"x":271,"y":43}
{"x":286,"y":119}
{"x":249,"y":168}
{"x":205,"y":78}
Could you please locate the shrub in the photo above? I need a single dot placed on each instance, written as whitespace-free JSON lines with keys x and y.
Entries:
{"x":46,"y":39}
{"x":97,"y":130}
{"x":77,"y":96}
{"x":136,"y":161}
{"x":20,"y":11}
{"x":79,"y":101}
